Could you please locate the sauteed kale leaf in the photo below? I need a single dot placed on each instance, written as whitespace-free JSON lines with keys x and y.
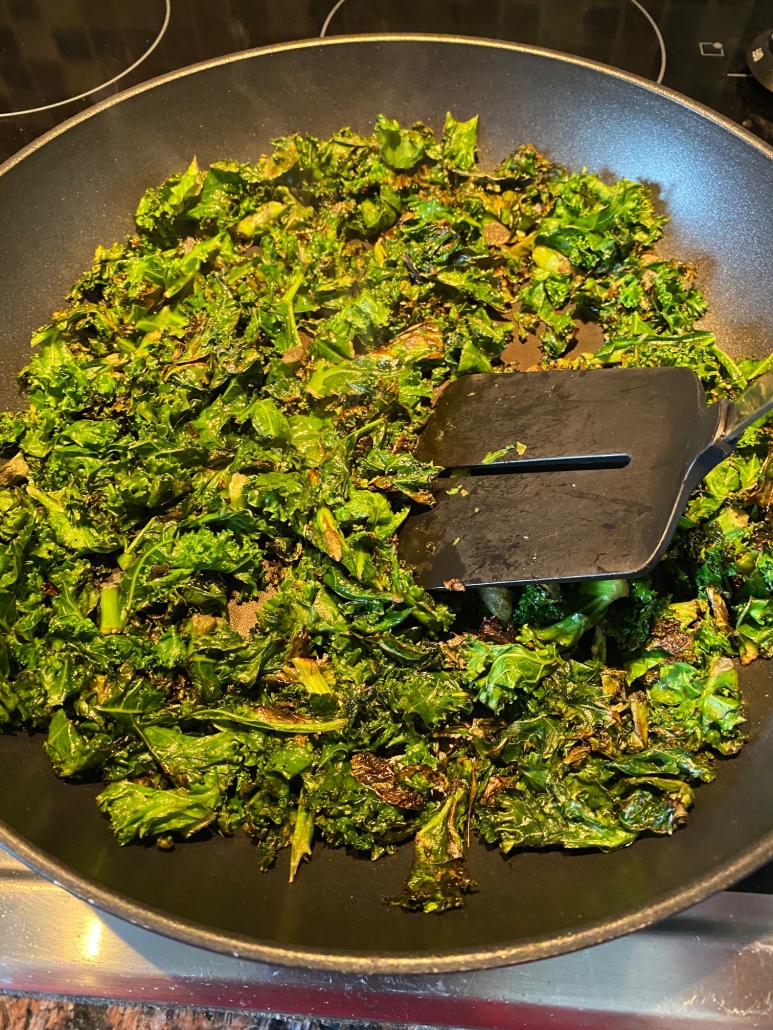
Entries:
{"x":200,"y":596}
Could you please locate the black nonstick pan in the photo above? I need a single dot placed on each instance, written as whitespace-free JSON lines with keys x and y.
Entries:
{"x":78,"y":187}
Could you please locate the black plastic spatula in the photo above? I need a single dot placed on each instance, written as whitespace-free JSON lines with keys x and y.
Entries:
{"x":573,"y":474}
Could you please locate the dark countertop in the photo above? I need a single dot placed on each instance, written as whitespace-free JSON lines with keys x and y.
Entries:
{"x":50,"y":1014}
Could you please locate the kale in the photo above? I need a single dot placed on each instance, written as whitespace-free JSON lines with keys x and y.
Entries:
{"x":201,"y":600}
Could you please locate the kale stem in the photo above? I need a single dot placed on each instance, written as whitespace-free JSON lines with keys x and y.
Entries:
{"x":110,"y":610}
{"x":303,"y":833}
{"x":730,"y":366}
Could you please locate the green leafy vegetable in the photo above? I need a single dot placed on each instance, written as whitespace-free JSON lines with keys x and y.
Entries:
{"x":201,"y":600}
{"x":493,"y":456}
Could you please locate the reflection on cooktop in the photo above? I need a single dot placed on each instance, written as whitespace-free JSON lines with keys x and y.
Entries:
{"x":51,"y":50}
{"x":704,"y":42}
{"x":616,"y":32}
{"x":53,"y":53}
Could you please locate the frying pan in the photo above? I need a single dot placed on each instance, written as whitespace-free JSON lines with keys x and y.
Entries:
{"x":78,"y":186}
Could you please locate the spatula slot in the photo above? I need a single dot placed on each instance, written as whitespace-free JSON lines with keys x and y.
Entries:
{"x":574,"y":464}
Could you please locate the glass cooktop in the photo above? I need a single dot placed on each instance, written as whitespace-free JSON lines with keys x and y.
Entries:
{"x":60,"y":56}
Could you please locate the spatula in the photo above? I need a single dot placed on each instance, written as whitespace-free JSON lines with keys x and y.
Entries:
{"x":572,"y":474}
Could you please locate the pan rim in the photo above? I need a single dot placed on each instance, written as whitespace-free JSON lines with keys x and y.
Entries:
{"x":375,"y":963}
{"x":359,"y":962}
{"x":388,"y":37}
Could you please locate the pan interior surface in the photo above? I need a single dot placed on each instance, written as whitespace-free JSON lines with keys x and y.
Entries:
{"x":79,"y":189}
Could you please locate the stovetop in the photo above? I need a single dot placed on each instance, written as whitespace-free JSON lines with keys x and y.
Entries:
{"x":712,"y":964}
{"x":58,"y":57}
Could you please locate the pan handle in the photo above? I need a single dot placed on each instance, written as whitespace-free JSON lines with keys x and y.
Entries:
{"x":754,"y":402}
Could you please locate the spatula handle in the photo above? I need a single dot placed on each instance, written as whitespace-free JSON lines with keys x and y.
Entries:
{"x":754,"y":402}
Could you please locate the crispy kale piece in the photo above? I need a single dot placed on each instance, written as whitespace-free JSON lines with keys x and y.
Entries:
{"x":200,"y":596}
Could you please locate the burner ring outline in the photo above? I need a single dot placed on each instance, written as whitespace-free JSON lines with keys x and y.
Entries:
{"x":644,"y":11}
{"x":102,"y":85}
{"x":661,"y":41}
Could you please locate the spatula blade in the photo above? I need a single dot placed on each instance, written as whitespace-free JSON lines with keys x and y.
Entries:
{"x":566,"y":519}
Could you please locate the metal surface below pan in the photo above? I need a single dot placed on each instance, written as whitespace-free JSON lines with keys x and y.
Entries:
{"x":78,"y":186}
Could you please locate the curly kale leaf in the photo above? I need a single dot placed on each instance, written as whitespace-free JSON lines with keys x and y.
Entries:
{"x":438,"y":879}
{"x":138,"y":811}
{"x":498,"y":672}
